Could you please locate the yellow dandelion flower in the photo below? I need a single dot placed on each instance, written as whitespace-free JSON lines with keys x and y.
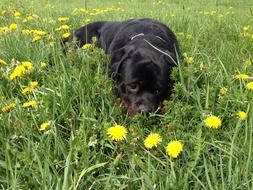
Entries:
{"x":43,"y":65}
{"x":242,"y":115}
{"x":63,"y":27}
{"x":249,"y":85}
{"x":36,"y":38}
{"x":189,"y":60}
{"x":3,"y":30}
{"x":223,"y":91}
{"x":45,"y":126}
{"x":66,"y":35}
{"x":2,"y":62}
{"x":17,"y":14}
{"x":152,"y":140}
{"x":30,"y":104}
{"x":19,"y":71}
{"x":27,"y":90}
{"x":87,"y":46}
{"x":26,"y":31}
{"x":212,"y":122}
{"x":33,"y":84}
{"x":242,"y":76}
{"x":87,"y":20}
{"x":117,"y":132}
{"x":174,"y":148}
{"x":39,"y":32}
{"x":9,"y":107}
{"x":13,"y":26}
{"x":30,"y":17}
{"x":28,"y":65}
{"x":63,"y":19}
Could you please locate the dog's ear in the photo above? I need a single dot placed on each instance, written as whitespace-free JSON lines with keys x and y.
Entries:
{"x":117,"y":58}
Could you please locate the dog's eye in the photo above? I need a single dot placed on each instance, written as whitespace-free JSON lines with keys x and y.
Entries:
{"x":134,"y":87}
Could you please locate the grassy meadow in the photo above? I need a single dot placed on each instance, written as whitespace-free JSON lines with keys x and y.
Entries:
{"x":55,"y":110}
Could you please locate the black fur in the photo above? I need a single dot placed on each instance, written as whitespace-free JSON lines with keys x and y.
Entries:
{"x":143,"y":52}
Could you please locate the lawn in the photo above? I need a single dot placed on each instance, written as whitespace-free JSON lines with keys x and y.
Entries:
{"x":55,"y":110}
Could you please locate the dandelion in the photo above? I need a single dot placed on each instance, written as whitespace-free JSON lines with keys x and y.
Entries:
{"x":2,"y":62}
{"x":13,"y":26}
{"x":189,"y":59}
{"x":117,"y":132}
{"x":26,"y":31}
{"x":30,"y":104}
{"x":27,"y":90}
{"x":152,"y":140}
{"x":45,"y":126}
{"x":249,"y":85}
{"x":32,"y":16}
{"x":33,"y":84}
{"x":17,"y":14}
{"x":242,"y":115}
{"x":19,"y":71}
{"x":87,"y":20}
{"x":9,"y":107}
{"x":36,"y":38}
{"x":87,"y":46}
{"x":63,"y":27}
{"x":174,"y":148}
{"x":38,"y":32}
{"x":212,"y":122}
{"x":3,"y":30}
{"x":66,"y":35}
{"x":242,"y":76}
{"x":43,"y":65}
{"x":28,"y":65}
{"x":223,"y":91}
{"x":63,"y":19}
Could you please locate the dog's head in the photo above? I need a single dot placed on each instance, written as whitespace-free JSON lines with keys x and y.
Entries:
{"x":142,"y":75}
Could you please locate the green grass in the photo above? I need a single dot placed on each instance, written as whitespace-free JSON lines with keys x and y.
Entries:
{"x":77,"y":95}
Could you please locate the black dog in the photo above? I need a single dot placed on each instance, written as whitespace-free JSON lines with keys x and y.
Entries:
{"x":143,"y":52}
